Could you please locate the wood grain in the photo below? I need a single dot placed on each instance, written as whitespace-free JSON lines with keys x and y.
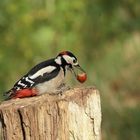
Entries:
{"x":75,"y":115}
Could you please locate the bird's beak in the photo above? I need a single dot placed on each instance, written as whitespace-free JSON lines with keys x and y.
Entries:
{"x":78,"y":67}
{"x":82,"y":76}
{"x":81,"y":69}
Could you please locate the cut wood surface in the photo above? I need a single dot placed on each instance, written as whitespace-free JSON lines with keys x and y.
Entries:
{"x":75,"y":115}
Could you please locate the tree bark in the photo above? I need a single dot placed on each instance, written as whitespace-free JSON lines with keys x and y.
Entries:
{"x":75,"y":115}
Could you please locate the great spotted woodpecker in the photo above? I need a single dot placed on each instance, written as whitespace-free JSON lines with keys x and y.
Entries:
{"x":46,"y":77}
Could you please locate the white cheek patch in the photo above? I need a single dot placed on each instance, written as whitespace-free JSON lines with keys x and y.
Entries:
{"x":68,"y":59}
{"x":47,"y":69}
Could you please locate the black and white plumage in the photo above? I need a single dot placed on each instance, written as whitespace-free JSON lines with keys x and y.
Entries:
{"x":46,"y":76}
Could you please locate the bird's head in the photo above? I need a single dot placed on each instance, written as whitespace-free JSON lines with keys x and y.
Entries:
{"x":69,"y":61}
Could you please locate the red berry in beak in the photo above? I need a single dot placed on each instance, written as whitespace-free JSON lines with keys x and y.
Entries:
{"x":82,"y":77}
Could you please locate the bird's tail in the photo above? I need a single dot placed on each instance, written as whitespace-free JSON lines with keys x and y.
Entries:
{"x":8,"y":94}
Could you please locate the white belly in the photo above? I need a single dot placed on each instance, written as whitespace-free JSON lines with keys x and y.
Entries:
{"x":51,"y":85}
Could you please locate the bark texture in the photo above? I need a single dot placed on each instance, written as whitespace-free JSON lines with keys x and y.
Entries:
{"x":75,"y":115}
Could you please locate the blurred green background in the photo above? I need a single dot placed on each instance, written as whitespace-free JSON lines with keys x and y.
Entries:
{"x":103,"y":34}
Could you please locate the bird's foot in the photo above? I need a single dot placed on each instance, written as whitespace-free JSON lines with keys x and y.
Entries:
{"x":62,"y":88}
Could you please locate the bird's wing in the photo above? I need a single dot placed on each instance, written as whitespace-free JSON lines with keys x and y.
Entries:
{"x":42,"y":72}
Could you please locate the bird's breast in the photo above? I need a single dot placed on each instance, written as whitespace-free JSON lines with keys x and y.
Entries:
{"x":51,"y":85}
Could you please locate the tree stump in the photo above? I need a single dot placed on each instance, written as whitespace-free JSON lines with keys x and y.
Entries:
{"x":75,"y":115}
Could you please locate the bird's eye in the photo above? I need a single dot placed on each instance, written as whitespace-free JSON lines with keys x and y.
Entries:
{"x":74,"y":60}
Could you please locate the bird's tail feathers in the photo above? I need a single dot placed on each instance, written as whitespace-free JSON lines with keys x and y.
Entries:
{"x":9,"y":94}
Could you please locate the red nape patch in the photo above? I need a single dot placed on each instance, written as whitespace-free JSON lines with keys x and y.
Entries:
{"x":25,"y":93}
{"x":63,"y":53}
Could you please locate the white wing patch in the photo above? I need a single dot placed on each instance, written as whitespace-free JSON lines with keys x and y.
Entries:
{"x":47,"y":69}
{"x":28,"y":80}
{"x":20,"y":83}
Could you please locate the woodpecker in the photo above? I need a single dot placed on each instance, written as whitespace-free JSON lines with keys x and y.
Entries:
{"x":46,"y":77}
